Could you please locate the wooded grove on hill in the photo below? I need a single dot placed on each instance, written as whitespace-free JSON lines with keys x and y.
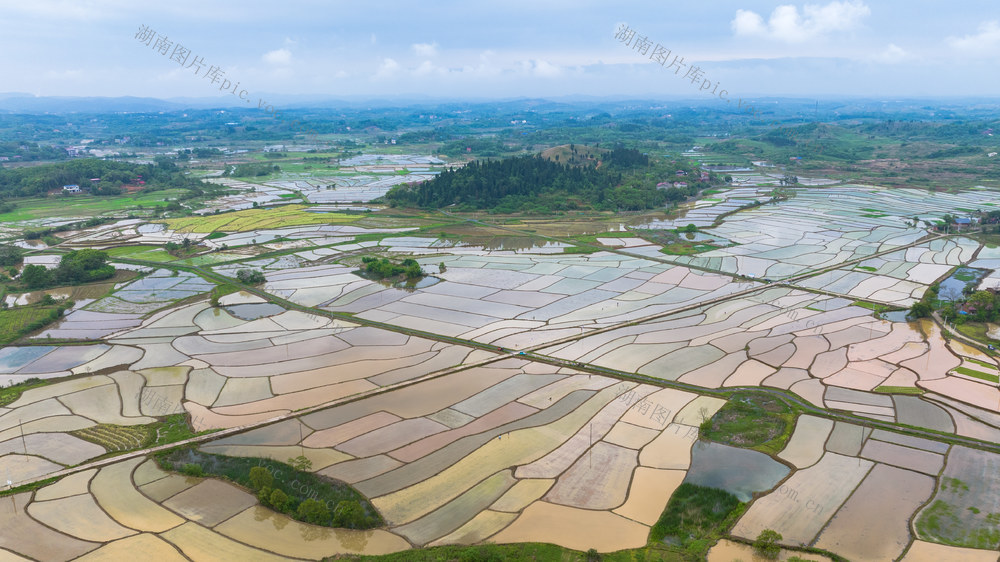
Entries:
{"x":534,"y":184}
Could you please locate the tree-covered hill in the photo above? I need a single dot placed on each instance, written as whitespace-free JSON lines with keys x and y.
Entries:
{"x":626,"y":180}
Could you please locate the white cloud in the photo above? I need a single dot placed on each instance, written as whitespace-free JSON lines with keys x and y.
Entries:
{"x":424,"y":49}
{"x":427,"y":67}
{"x":892,"y":54}
{"x":986,"y":41}
{"x":539,"y":68}
{"x":278,"y":56}
{"x":387,"y":69}
{"x":787,"y":24}
{"x":748,"y":23}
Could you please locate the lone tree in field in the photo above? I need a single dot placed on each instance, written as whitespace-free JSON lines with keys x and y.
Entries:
{"x":767,"y":545}
{"x":250,"y":276}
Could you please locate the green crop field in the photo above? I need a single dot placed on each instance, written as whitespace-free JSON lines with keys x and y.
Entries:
{"x":253,"y":219}
{"x":14,"y":321}
{"x":85,"y":205}
{"x":148,"y":253}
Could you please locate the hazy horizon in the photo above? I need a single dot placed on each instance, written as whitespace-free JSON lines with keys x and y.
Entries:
{"x":496,"y":50}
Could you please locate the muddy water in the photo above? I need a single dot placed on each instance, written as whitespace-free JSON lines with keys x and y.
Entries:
{"x":254,"y":311}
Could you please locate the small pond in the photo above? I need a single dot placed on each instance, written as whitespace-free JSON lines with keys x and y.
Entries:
{"x":740,"y":472}
{"x":951,"y":288}
{"x":254,"y":311}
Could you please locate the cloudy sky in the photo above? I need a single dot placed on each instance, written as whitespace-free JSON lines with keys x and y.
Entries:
{"x":499,"y":49}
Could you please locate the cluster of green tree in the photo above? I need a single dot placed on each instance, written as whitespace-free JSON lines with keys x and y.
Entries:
{"x":626,"y":158}
{"x":953,"y":151}
{"x":251,"y":170}
{"x":479,"y":147}
{"x":426,"y":135}
{"x":37,"y":180}
{"x":289,"y":487}
{"x":980,"y":306}
{"x":30,"y":151}
{"x":532,"y":183}
{"x":607,"y":122}
{"x":183,"y":249}
{"x":960,"y":132}
{"x":249,"y":276}
{"x":201,"y":152}
{"x":79,"y":266}
{"x":10,"y":255}
{"x":347,"y":514}
{"x":384,"y":269}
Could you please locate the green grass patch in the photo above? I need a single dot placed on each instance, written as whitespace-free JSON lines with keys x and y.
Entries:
{"x":28,"y":487}
{"x":964,"y":275}
{"x":298,"y":486}
{"x":222,"y":290}
{"x":695,"y":517}
{"x":977,"y":374}
{"x":975,"y":331}
{"x":87,"y":205}
{"x":579,"y":250}
{"x":171,"y":429}
{"x":148,"y":253}
{"x":216,"y":235}
{"x":941,"y":523}
{"x":753,"y":421}
{"x":10,"y":394}
{"x":814,"y":309}
{"x":866,"y":268}
{"x":898,"y":390}
{"x":207,"y":259}
{"x":980,"y":363}
{"x":123,"y":251}
{"x":872,"y":306}
{"x":682,"y":249}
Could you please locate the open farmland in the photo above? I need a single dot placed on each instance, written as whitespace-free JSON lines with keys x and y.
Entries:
{"x":513,"y":393}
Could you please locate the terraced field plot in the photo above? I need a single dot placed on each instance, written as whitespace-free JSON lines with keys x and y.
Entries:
{"x":457,"y":439}
{"x":822,"y":227}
